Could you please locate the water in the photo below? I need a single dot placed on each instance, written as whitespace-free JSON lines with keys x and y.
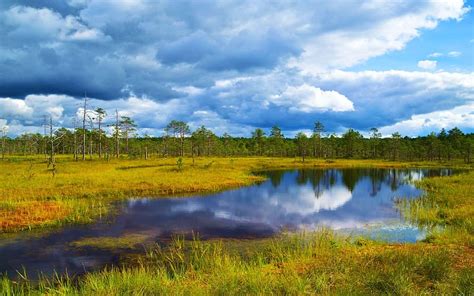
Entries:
{"x":353,"y":201}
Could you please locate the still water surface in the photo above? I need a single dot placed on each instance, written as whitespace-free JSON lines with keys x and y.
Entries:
{"x":354,"y":201}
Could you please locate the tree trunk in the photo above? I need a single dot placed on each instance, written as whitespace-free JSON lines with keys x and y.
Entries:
{"x":100,"y":138}
{"x":117,"y":141}
{"x":84,"y":130}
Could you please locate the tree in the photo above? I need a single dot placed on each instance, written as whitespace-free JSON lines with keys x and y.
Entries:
{"x":259,"y":137}
{"x":317,"y":141}
{"x":146,"y":141}
{"x":432,"y":145}
{"x":178,"y":129}
{"x":276,"y":139}
{"x":75,"y":137}
{"x":443,"y":143}
{"x":198,"y":138}
{"x":302,"y":143}
{"x":53,"y":138}
{"x":226,"y":139}
{"x":351,"y":141}
{"x":374,"y":138}
{"x":100,"y":116}
{"x":117,"y":134}
{"x":84,"y":114}
{"x":127,"y":128}
{"x":396,"y":145}
{"x":455,"y":137}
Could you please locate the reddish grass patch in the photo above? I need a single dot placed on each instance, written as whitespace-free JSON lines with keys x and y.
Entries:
{"x":29,"y":214}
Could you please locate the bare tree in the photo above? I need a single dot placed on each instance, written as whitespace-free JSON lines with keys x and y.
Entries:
{"x":45,"y":132}
{"x":53,"y":138}
{"x":84,"y":115}
{"x":75,"y":137}
{"x":91,"y":135}
{"x":117,"y":134}
{"x":317,"y":135}
{"x":128,"y":127}
{"x":374,"y":138}
{"x":100,"y":116}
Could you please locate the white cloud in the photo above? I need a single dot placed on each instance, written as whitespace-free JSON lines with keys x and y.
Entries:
{"x":14,"y":108}
{"x":245,"y":95}
{"x":45,"y":24}
{"x":190,"y":90}
{"x":454,"y":54}
{"x":461,"y":116}
{"x":435,"y":55}
{"x":427,"y":64}
{"x":307,"y":203}
{"x":307,"y":98}
{"x":349,"y":46}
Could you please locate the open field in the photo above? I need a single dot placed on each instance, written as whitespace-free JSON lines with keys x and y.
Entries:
{"x":313,"y":263}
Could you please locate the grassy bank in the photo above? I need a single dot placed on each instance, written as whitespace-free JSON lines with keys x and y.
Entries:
{"x":31,"y":197}
{"x":314,"y":263}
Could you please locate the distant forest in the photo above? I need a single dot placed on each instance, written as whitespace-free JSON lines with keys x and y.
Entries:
{"x":90,"y":141}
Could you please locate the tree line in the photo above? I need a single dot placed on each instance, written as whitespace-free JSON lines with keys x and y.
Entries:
{"x":89,"y":140}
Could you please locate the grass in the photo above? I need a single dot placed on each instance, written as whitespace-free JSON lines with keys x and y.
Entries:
{"x":128,"y":241}
{"x":305,"y":263}
{"x":449,"y":204}
{"x":293,"y":264}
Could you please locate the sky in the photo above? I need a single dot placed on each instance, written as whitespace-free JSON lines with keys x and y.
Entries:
{"x":234,"y":66}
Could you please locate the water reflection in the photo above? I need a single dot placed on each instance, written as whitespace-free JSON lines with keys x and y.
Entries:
{"x":346,"y":198}
{"x":349,"y":200}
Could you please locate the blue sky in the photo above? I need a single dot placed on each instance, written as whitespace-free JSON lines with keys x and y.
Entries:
{"x":449,"y":36}
{"x":234,"y":66}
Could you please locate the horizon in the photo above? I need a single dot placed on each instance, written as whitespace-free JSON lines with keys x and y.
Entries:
{"x":237,"y":66}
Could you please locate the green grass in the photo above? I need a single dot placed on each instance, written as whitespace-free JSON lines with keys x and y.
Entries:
{"x":294,"y":264}
{"x":448,"y":204}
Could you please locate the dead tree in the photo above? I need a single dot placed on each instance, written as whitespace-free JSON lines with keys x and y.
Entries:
{"x":117,"y":134}
{"x":84,"y":114}
{"x":75,"y":138}
{"x":100,"y":116}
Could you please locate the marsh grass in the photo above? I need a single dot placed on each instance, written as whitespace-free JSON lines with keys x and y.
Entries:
{"x":305,"y":263}
{"x":447,"y":203}
{"x":291,"y":264}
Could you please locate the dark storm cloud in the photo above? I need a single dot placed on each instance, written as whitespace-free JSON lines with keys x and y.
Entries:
{"x":241,"y":64}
